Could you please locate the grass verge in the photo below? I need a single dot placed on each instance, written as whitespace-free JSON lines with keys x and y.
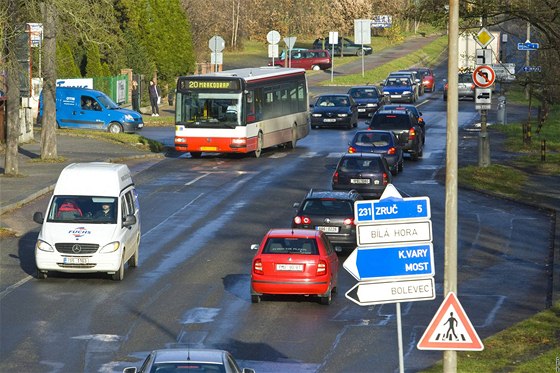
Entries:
{"x":130,"y":139}
{"x":533,"y":345}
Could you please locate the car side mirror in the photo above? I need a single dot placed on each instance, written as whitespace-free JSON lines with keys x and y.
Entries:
{"x":38,"y":217}
{"x":255,"y":246}
{"x":296,"y":205}
{"x":129,"y":220}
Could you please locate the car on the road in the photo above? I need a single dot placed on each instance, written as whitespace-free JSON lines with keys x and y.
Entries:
{"x":331,"y":212}
{"x":415,"y":112}
{"x":465,"y":87}
{"x":428,"y":78}
{"x":368,"y":98}
{"x":344,"y":47}
{"x":415,"y":76}
{"x":294,"y":262}
{"x":400,"y":89}
{"x":334,"y":110}
{"x":404,"y":126}
{"x":176,"y":360}
{"x":379,"y":142}
{"x":310,"y":59}
{"x":367,"y":173}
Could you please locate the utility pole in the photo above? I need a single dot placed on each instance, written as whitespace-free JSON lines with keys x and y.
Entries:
{"x":483,"y":141}
{"x":450,"y":261}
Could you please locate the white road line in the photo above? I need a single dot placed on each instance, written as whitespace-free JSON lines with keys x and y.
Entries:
{"x":13,"y":287}
{"x":198,"y":178}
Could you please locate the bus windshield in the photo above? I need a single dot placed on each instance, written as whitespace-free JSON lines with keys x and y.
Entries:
{"x":208,"y":109}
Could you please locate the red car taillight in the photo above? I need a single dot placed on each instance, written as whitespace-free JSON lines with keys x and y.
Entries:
{"x":258,"y":267}
{"x":411,"y":134}
{"x":385,"y":178}
{"x":348,"y":221}
{"x":302,"y":220}
{"x":335,"y":177}
{"x":351,"y":150}
{"x":392,"y":151}
{"x":321,"y":267}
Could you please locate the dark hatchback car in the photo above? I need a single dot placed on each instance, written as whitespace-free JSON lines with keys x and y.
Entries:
{"x":345,"y":47}
{"x":331,"y":212}
{"x":367,"y":173}
{"x":415,"y":112}
{"x":368,"y":98}
{"x":379,"y":142}
{"x":404,"y":126}
{"x":334,"y":110}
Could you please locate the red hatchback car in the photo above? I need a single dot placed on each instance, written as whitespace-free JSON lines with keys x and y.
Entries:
{"x":311,"y":59}
{"x":294,"y":261}
{"x":428,"y":78}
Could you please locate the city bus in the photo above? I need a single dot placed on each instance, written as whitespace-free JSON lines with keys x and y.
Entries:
{"x":241,"y":111}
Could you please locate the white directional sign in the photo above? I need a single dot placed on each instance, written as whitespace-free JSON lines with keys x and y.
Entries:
{"x":369,"y":293}
{"x":372,"y":234}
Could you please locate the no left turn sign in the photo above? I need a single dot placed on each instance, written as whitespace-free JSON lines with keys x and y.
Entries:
{"x":484,"y":76}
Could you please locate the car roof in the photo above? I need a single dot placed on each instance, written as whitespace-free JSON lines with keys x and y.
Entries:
{"x":374,"y":131}
{"x":339,"y":194}
{"x":333,"y":95}
{"x":293,"y":232}
{"x":392,"y":112}
{"x":362,"y":155}
{"x":398,"y":106}
{"x":189,"y":354}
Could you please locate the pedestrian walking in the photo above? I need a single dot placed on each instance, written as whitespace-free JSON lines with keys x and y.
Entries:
{"x":154,"y":98}
{"x":135,"y":96}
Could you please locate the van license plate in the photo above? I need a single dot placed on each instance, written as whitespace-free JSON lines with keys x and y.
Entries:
{"x":74,"y":260}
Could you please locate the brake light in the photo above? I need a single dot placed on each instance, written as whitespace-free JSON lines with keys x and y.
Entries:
{"x":335,"y":177}
{"x":302,"y":220}
{"x":392,"y":151}
{"x":321,"y":267}
{"x":411,"y":133}
{"x":385,"y":178}
{"x":351,"y":150}
{"x":258,"y":267}
{"x":472,"y":87}
{"x":348,"y":221}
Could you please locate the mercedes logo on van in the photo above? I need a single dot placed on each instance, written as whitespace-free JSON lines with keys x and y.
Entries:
{"x":76,"y":249}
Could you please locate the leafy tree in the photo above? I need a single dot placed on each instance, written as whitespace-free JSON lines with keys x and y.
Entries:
{"x":66,"y":64}
{"x":93,"y":62}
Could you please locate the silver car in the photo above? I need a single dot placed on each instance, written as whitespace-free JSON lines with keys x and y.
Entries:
{"x":465,"y":87}
{"x":189,"y":360}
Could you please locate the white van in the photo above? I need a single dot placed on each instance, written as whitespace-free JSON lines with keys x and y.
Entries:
{"x":92,"y":223}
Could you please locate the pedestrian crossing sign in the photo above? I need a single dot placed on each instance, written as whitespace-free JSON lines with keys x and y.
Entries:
{"x":450,"y":329}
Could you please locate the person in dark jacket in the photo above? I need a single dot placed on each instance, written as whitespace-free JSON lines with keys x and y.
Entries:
{"x":135,"y":96}
{"x":154,"y":98}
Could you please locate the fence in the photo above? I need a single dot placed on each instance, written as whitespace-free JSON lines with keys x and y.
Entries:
{"x":115,"y":87}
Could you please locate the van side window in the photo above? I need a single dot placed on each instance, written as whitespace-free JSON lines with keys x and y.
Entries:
{"x":89,"y":103}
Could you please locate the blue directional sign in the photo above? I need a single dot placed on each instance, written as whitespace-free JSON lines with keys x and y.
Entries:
{"x":391,"y":261}
{"x":532,"y":69}
{"x":527,"y":46}
{"x":392,"y":209}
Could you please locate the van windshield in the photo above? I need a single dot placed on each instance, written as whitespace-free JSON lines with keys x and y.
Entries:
{"x":83,"y":209}
{"x":107,"y":102}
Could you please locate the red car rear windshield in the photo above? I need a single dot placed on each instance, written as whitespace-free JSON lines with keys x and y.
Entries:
{"x":291,"y":245}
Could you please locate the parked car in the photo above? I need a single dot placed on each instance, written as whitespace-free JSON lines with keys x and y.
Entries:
{"x":282,"y":55}
{"x":296,"y":262}
{"x":367,"y":173}
{"x":428,"y":78}
{"x":404,"y":126}
{"x":415,"y":112}
{"x":311,"y":59}
{"x":334,"y":110}
{"x":189,"y":360}
{"x":344,"y":47}
{"x":465,"y":87}
{"x":368,"y":98}
{"x":399,"y":89}
{"x":379,"y":142}
{"x":331,"y":212}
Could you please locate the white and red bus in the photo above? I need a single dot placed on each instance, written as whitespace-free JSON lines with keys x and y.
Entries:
{"x":241,"y":111}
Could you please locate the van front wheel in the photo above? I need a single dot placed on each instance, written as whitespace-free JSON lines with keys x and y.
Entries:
{"x":115,"y":128}
{"x":119,"y":275}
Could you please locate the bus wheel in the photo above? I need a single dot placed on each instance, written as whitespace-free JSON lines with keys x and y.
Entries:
{"x":258,"y":150}
{"x":115,"y":128}
{"x":196,"y":154}
{"x":292,"y":144}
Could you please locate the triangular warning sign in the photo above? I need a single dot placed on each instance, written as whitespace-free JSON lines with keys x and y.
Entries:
{"x":450,"y":329}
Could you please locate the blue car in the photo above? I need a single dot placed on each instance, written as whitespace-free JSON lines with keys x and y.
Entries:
{"x":368,"y":98}
{"x":400,"y":89}
{"x":379,"y":142}
{"x":334,"y":110}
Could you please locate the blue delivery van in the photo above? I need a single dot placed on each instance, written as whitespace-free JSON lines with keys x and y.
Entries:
{"x":90,"y":109}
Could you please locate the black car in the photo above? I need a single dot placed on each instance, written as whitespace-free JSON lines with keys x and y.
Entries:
{"x":344,"y":47}
{"x":367,"y":173}
{"x":404,"y":126}
{"x":417,"y":114}
{"x":379,"y":142}
{"x":368,"y":98}
{"x":334,"y":110}
{"x":331,"y":212}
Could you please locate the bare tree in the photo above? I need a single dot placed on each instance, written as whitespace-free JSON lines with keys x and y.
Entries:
{"x":48,"y":133}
